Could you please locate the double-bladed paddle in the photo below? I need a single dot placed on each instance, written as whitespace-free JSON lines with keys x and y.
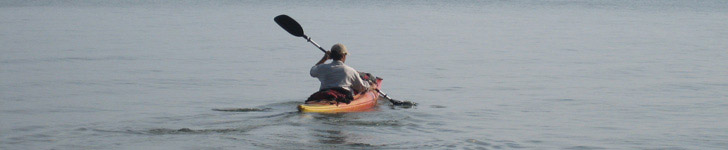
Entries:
{"x":295,"y":29}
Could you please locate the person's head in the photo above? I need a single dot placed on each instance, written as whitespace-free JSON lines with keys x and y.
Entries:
{"x":338,"y":51}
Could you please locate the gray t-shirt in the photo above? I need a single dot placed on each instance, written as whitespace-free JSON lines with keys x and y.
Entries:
{"x":338,"y":74}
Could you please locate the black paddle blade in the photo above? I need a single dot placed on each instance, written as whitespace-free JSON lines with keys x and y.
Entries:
{"x":289,"y":25}
{"x":403,"y":104}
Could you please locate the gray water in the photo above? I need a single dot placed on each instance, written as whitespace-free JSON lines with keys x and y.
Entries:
{"x":555,"y":74}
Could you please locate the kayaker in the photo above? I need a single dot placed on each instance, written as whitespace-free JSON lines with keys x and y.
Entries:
{"x":339,"y":82}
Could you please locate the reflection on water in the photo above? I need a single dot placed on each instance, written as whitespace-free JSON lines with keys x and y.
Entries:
{"x":330,"y":136}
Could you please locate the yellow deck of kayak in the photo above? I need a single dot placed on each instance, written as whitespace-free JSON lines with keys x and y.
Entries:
{"x":362,"y":102}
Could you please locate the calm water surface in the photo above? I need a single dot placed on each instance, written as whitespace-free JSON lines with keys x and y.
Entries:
{"x":555,"y":74}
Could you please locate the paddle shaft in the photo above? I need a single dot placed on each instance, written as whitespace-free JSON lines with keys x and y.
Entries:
{"x":314,"y":43}
{"x":385,"y":95}
{"x":396,"y":102}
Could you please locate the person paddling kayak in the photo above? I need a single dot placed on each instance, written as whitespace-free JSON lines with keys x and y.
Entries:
{"x":339,"y":82}
{"x":346,"y":81}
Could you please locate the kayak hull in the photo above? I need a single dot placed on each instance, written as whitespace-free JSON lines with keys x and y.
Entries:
{"x":362,"y":102}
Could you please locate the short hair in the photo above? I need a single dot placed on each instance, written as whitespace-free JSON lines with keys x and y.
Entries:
{"x":337,"y":56}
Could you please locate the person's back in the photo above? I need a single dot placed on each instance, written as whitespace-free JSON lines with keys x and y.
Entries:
{"x":337,"y":79}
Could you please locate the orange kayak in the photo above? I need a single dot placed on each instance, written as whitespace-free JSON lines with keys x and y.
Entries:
{"x":362,"y":102}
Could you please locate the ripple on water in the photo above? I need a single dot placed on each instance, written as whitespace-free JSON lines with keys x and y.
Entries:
{"x":667,"y":148}
{"x":241,"y":109}
{"x":437,"y":106}
{"x":488,"y":144}
{"x":478,"y":142}
{"x":29,"y":128}
{"x":584,"y":148}
{"x":392,"y":123}
{"x":162,"y":131}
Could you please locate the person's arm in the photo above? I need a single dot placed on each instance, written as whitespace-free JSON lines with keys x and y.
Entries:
{"x":359,"y":84}
{"x":323,"y":59}
{"x":314,"y":69}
